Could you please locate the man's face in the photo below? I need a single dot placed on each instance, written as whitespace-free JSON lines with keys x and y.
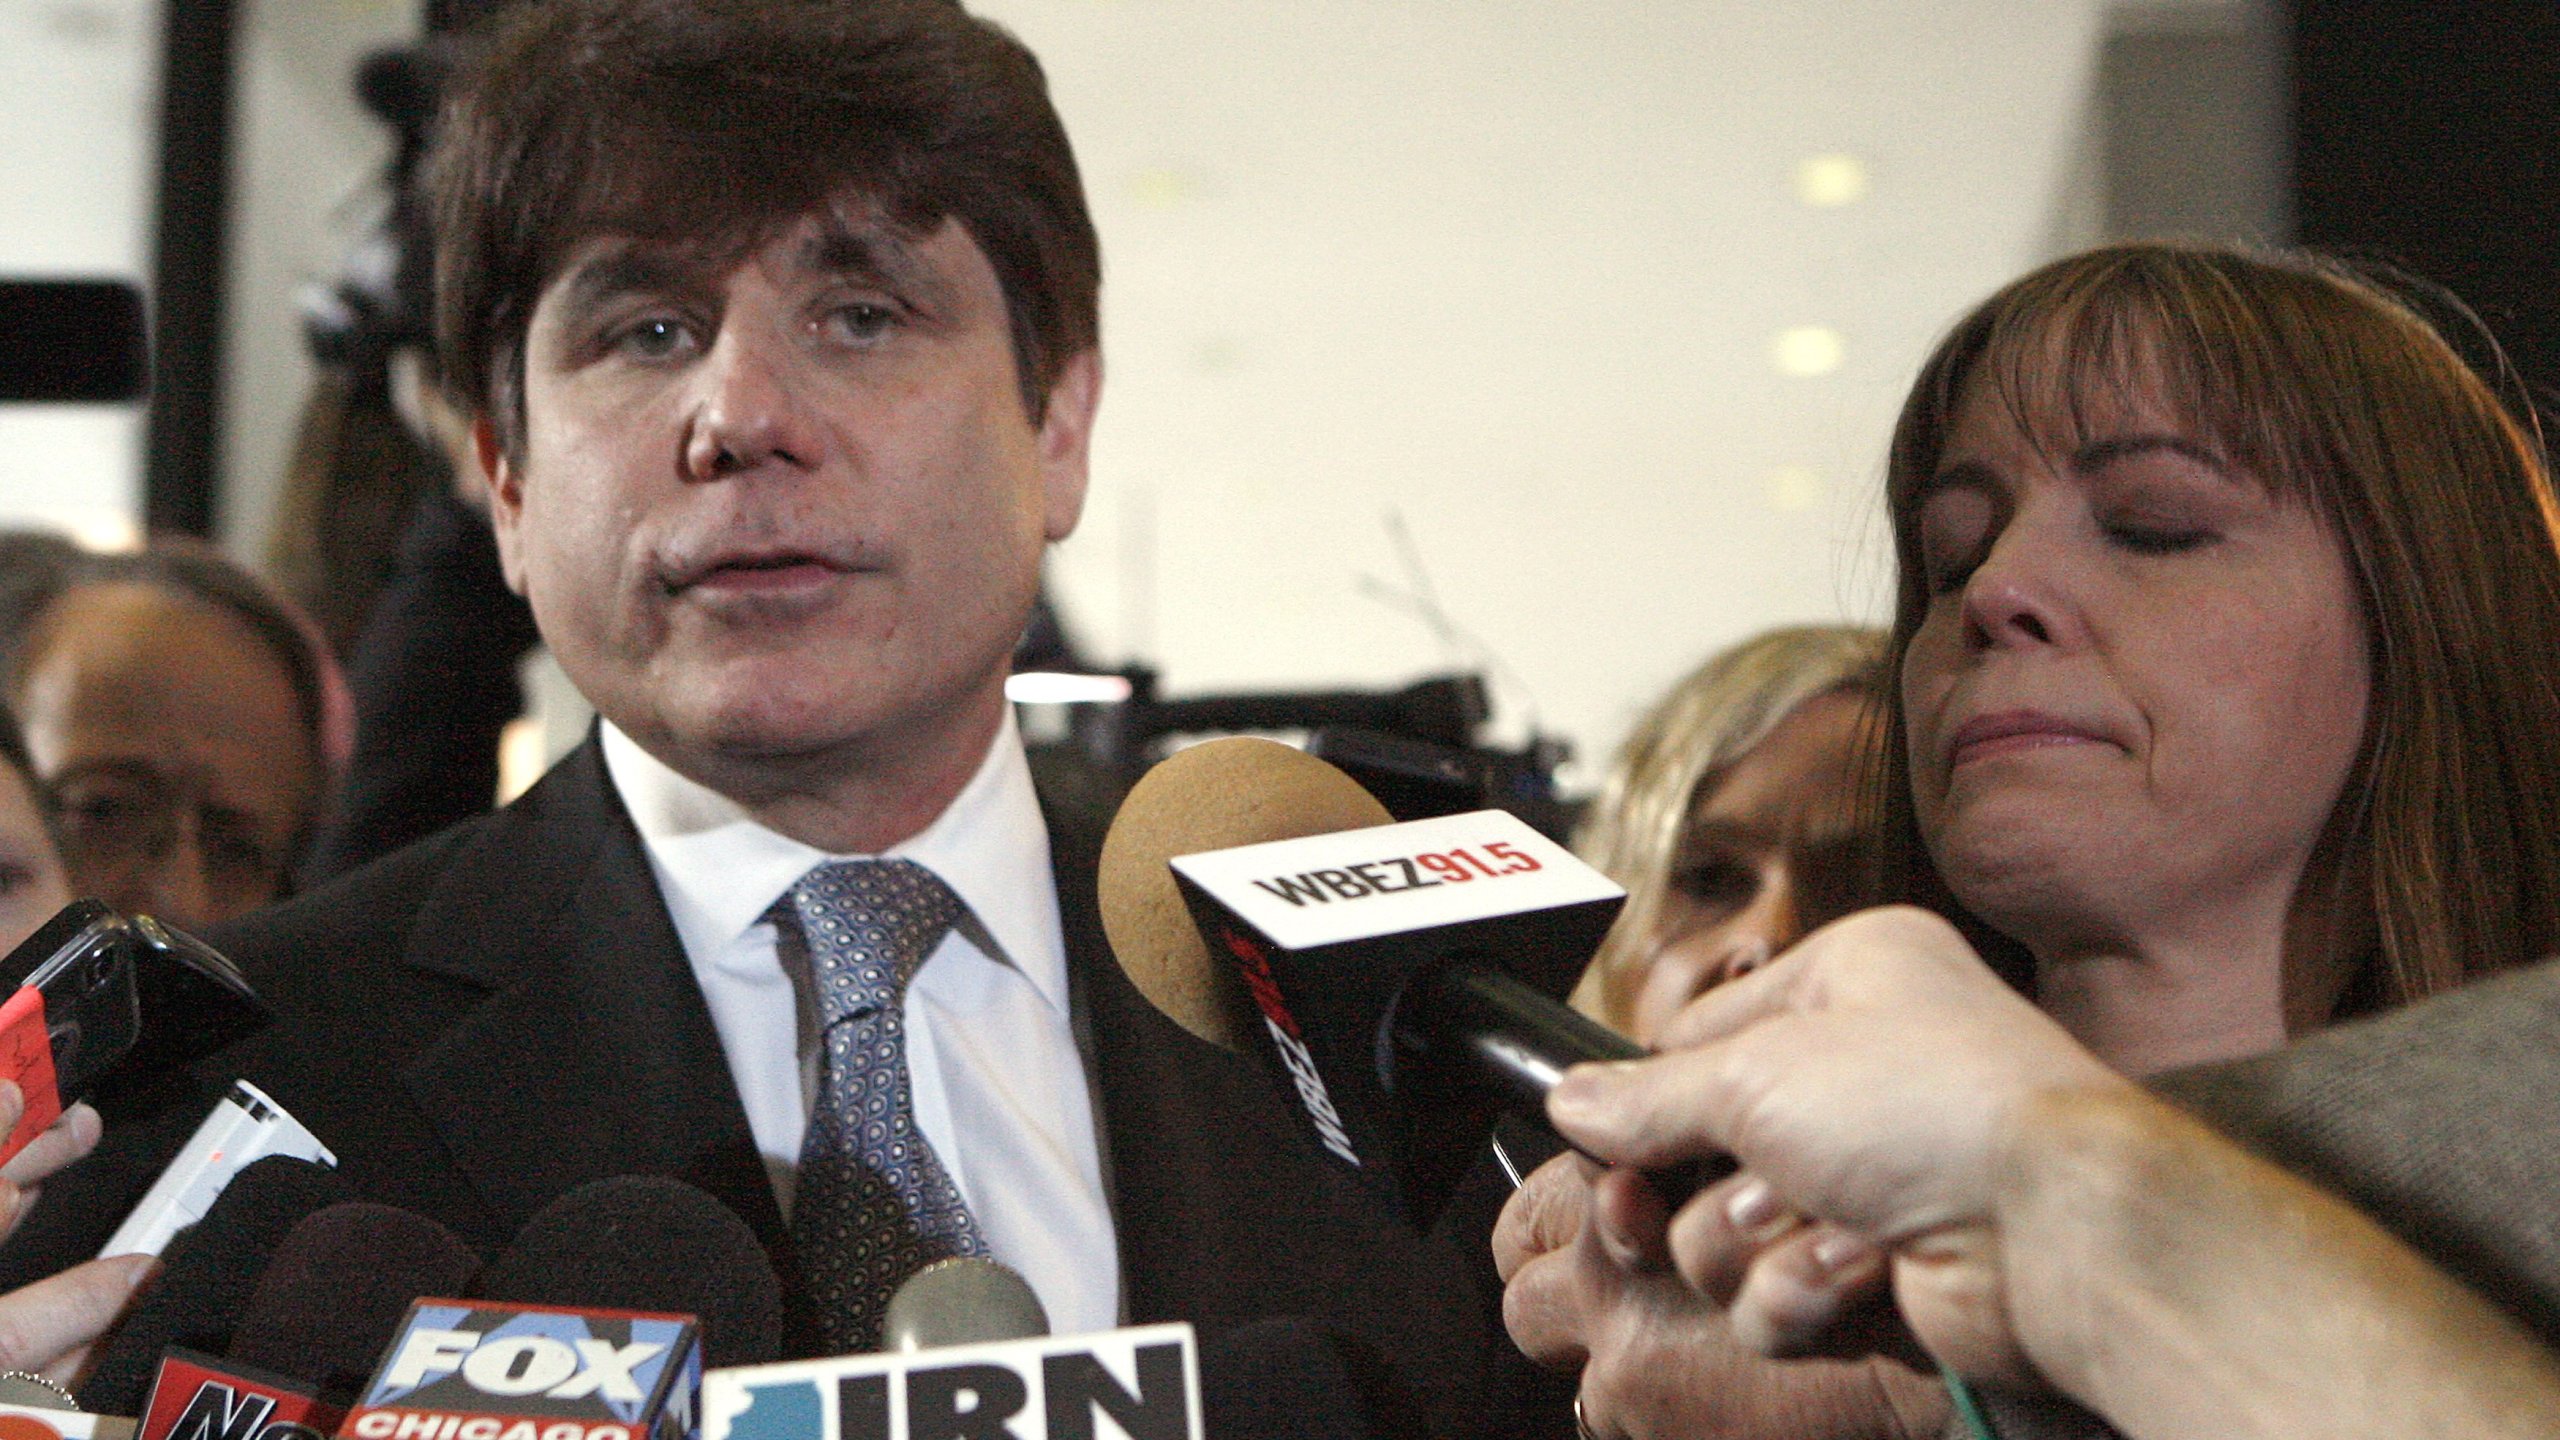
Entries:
{"x":781,"y":518}
{"x":182,"y":770}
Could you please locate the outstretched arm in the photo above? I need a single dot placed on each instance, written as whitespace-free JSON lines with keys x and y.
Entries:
{"x":2047,"y":1222}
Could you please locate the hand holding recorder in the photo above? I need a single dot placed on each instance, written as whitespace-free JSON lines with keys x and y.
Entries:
{"x":93,"y":995}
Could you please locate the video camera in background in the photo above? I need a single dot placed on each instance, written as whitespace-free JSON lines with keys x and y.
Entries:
{"x":1416,"y":748}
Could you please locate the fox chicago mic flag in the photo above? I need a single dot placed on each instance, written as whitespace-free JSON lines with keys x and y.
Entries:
{"x":473,"y":1370}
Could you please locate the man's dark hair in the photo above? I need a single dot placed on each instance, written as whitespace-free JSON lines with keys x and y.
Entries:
{"x":714,"y":124}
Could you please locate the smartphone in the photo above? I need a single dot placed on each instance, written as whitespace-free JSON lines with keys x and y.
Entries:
{"x":194,"y":1001}
{"x":72,"y":1014}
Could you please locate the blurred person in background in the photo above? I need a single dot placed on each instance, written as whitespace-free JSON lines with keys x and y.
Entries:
{"x":381,"y":529}
{"x":45,"y":1328}
{"x":1734,"y":817}
{"x":33,"y":884}
{"x":1731,"y":817}
{"x":184,"y":723}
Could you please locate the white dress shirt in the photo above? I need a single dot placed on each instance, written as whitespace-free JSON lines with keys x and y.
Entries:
{"x":1000,"y":1090}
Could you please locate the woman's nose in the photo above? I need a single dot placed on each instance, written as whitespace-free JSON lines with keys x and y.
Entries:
{"x":2021,"y":593}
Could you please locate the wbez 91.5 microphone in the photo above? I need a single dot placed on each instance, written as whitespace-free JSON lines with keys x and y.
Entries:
{"x":1400,"y":979}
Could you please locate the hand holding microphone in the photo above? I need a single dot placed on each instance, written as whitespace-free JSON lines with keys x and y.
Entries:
{"x":48,"y":1328}
{"x":73,"y":1134}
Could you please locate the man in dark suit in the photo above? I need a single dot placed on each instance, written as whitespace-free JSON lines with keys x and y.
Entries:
{"x":777,"y":320}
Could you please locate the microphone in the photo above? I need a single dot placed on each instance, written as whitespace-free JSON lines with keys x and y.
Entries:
{"x":338,"y":1286}
{"x":1036,"y":1386}
{"x":34,"y":1421}
{"x":647,"y":1243}
{"x":484,"y":1370}
{"x":585,"y":1328}
{"x":1400,"y":979}
{"x":964,"y":1300}
{"x":211,"y":1271}
{"x":195,"y":1398}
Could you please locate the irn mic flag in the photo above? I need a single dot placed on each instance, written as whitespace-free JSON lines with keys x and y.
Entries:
{"x":1145,"y":1380}
{"x":473,"y":1370}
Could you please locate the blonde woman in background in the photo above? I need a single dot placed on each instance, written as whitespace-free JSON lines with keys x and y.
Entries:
{"x":1731,"y":818}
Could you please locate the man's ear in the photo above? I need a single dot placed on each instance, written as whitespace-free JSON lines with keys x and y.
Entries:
{"x":505,"y":479}
{"x":1066,"y":441}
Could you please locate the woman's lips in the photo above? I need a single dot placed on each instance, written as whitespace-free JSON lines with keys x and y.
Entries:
{"x":2011,"y":732}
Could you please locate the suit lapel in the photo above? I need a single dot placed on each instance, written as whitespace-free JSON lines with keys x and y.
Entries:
{"x":1193,"y":1217}
{"x":591,"y":1054}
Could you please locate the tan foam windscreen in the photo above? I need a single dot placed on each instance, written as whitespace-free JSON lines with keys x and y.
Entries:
{"x":1213,"y":796}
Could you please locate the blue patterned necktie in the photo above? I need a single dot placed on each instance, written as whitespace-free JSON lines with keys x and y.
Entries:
{"x":874,"y":1206}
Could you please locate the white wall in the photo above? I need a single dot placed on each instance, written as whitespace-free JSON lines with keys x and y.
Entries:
{"x":305,"y":158}
{"x":79,"y":81}
{"x":1510,"y":269}
{"x":1513,"y":270}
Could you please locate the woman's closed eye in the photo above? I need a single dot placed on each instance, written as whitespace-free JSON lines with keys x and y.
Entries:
{"x":2157,"y":539}
{"x":1955,"y":533}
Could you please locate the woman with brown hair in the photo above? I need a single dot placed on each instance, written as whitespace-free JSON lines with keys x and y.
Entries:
{"x":2225,"y":585}
{"x":2221,"y":710}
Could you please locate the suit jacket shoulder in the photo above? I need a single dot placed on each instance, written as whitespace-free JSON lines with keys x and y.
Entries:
{"x":475,"y":1024}
{"x":499,"y":1014}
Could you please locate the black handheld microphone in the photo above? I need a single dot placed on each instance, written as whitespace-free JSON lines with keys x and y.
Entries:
{"x":337,"y":1289}
{"x":1401,"y":979}
{"x":308,"y":1334}
{"x":211,"y":1271}
{"x":647,"y":1243}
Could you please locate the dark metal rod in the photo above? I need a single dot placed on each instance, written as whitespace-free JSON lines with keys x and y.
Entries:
{"x":190,"y":253}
